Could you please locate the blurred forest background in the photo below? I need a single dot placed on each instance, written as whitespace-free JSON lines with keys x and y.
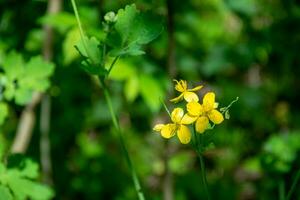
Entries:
{"x":244,"y":48}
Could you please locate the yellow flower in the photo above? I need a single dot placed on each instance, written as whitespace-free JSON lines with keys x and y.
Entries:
{"x":178,"y":126}
{"x":187,"y":94}
{"x":202,"y":113}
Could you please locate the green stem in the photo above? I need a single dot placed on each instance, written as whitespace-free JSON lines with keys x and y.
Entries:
{"x":110,"y":106}
{"x":122,"y":142}
{"x":281,"y":189}
{"x":202,"y":164}
{"x":289,"y":195}
{"x":112,"y":64}
{"x":79,"y":25}
{"x":203,"y":173}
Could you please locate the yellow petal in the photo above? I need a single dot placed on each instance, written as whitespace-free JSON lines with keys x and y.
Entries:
{"x":158,"y":127}
{"x":216,"y":117}
{"x":180,"y":86}
{"x":168,"y":130}
{"x":194,"y":108}
{"x":176,"y":99}
{"x":184,"y":134}
{"x":209,"y":101}
{"x":190,"y":96}
{"x":195,"y":88}
{"x":188,"y":119}
{"x":201,"y":124}
{"x":177,"y":115}
{"x":216,"y":105}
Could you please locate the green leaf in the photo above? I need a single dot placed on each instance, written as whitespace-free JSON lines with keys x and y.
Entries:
{"x":133,"y":29}
{"x":94,"y":70}
{"x":122,"y":71}
{"x":5,"y":193}
{"x":131,"y":88}
{"x":92,"y":50}
{"x":72,"y":38}
{"x":13,"y":65}
{"x":30,"y":169}
{"x":227,"y":115}
{"x":38,"y":68}
{"x":10,"y":89}
{"x":3,"y":112}
{"x":20,"y":180}
{"x":61,"y":21}
{"x":35,"y":78}
{"x":24,"y":188}
{"x":23,"y":96}
{"x":93,"y":56}
{"x":34,"y":40}
{"x":151,"y":92}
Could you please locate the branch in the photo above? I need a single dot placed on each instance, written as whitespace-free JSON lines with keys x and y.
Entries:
{"x":25,"y":126}
{"x":54,"y":6}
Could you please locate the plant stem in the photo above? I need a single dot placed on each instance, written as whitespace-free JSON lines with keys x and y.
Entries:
{"x":203,"y":174}
{"x":110,"y":106}
{"x":281,"y":189}
{"x":80,"y":29}
{"x":112,"y":64}
{"x":289,"y":195}
{"x":201,"y":158}
{"x":122,"y":142}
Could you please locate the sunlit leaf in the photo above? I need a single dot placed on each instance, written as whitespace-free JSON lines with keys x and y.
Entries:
{"x":151,"y":91}
{"x":133,"y":29}
{"x":131,"y":88}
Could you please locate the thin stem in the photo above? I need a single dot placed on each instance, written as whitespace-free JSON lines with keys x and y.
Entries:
{"x":112,"y":64}
{"x":112,"y":112}
{"x":165,"y":106}
{"x":289,"y":195}
{"x":203,"y":174}
{"x":281,"y":190}
{"x":122,"y":141}
{"x":202,"y":164}
{"x":80,"y":28}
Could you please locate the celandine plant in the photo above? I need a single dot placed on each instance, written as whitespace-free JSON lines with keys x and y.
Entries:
{"x":125,"y":34}
{"x":200,"y":116}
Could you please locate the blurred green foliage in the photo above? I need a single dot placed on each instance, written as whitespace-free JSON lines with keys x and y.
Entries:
{"x":18,"y":181}
{"x":245,"y":48}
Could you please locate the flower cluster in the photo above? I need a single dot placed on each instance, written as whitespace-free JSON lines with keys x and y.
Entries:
{"x":197,"y":114}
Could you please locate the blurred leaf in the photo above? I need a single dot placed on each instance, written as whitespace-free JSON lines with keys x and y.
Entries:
{"x":180,"y":162}
{"x":122,"y":70}
{"x":278,"y":154}
{"x":61,"y":21}
{"x":134,"y":29}
{"x":252,"y":165}
{"x":89,"y":147}
{"x":5,"y":193}
{"x":92,"y":50}
{"x":35,"y":76}
{"x":131,"y":88}
{"x":72,"y":38}
{"x":30,"y":169}
{"x":13,"y":65}
{"x":34,"y":40}
{"x":247,"y":7}
{"x":151,"y":91}
{"x":3,"y":112}
{"x":22,"y":79}
{"x":19,"y":180}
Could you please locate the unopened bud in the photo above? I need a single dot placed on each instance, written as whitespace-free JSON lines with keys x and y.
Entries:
{"x":110,"y":17}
